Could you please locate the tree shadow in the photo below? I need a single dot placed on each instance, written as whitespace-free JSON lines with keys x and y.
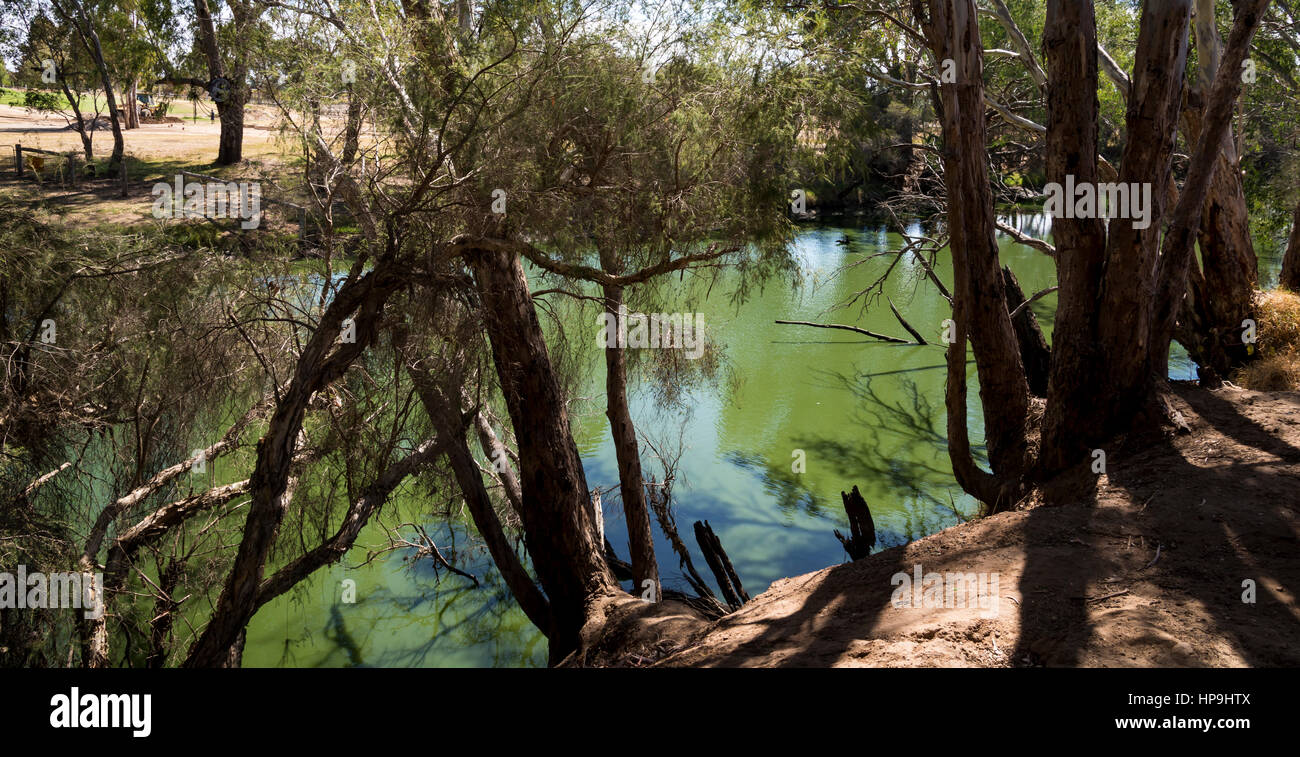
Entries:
{"x":915,"y":471}
{"x":1211,"y":518}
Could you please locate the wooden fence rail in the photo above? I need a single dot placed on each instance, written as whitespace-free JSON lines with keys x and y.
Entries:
{"x":71,"y":157}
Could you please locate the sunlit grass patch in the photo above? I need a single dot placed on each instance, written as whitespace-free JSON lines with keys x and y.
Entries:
{"x":1278,"y":367}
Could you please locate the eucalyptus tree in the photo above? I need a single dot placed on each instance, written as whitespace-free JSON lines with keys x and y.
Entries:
{"x":43,"y":40}
{"x":653,"y":170}
{"x":87,"y":19}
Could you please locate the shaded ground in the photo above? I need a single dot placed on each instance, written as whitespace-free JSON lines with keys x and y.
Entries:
{"x":1146,"y":568}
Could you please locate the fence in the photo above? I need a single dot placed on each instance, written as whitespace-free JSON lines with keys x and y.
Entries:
{"x":71,"y":157}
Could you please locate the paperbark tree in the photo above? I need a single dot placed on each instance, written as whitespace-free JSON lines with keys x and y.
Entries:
{"x":320,"y":363}
{"x":1122,"y":287}
{"x":557,"y":525}
{"x":980,"y":311}
{"x":645,"y":569}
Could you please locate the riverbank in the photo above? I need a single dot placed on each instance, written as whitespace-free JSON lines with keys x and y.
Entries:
{"x":1143,"y":566}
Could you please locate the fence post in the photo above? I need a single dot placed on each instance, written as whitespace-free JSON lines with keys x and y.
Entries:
{"x":72,"y":168}
{"x":302,"y":223}
{"x":123,"y":174}
{"x":18,"y":155}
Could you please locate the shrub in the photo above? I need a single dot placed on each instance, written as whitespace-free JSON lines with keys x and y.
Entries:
{"x":41,"y":100}
{"x":1277,"y":313}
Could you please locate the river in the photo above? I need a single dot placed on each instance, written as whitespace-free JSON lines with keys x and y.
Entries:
{"x":862,"y":412}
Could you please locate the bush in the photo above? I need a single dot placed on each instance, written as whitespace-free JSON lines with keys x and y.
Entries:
{"x":41,"y":100}
{"x":1277,"y":313}
{"x":1276,"y":373}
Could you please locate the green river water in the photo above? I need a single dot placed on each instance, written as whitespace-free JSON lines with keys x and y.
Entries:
{"x":863,"y":412}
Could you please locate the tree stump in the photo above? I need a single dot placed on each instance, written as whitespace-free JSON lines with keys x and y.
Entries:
{"x":720,"y":564}
{"x":862,"y":528}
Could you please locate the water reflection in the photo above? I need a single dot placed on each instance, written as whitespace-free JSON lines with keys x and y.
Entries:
{"x":863,"y":413}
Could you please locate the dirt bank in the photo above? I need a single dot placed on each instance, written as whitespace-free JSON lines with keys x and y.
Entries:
{"x":1143,"y":566}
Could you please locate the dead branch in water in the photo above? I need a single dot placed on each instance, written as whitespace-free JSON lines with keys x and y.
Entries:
{"x":862,"y":529}
{"x":915,"y":334}
{"x":720,"y":564}
{"x":871,"y":334}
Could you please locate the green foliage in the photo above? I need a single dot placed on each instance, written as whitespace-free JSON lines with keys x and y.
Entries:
{"x":41,"y":100}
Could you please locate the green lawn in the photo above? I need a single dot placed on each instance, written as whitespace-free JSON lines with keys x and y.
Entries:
{"x":87,"y":103}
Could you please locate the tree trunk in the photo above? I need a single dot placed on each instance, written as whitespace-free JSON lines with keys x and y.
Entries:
{"x":90,"y":40}
{"x":83,"y":128}
{"x":131,"y":108}
{"x":231,"y":107}
{"x":451,"y":428}
{"x":1103,"y":324}
{"x":321,"y":362}
{"x":645,"y":569}
{"x":1290,"y":278}
{"x":352,"y":130}
{"x":231,"y":114}
{"x":1221,"y":289}
{"x":557,"y":526}
{"x":1034,"y":353}
{"x":1177,"y":251}
{"x":980,"y":310}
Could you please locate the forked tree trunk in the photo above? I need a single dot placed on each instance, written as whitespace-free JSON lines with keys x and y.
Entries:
{"x":557,"y":526}
{"x":1103,"y":326}
{"x":980,"y":311}
{"x":645,"y":569}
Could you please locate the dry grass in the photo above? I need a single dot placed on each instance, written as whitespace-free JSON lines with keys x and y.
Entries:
{"x":1273,"y":373}
{"x":1278,"y":367}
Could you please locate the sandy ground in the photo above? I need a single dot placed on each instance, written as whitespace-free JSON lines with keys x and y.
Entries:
{"x":1146,"y":569}
{"x":188,"y":141}
{"x":160,"y":149}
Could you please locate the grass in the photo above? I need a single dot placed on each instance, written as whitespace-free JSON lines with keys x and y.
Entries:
{"x":1277,"y":313}
{"x":88,"y":103}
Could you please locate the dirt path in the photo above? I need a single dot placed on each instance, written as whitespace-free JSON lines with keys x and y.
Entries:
{"x":1078,"y":583}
